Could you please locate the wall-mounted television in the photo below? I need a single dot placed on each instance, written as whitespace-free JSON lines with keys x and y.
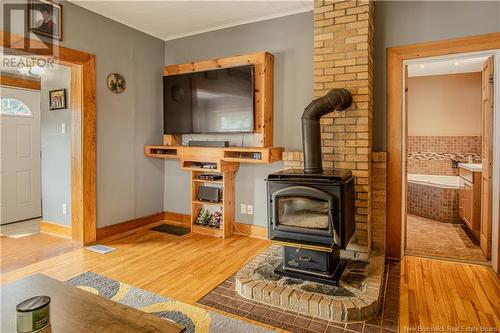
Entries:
{"x":214,"y":101}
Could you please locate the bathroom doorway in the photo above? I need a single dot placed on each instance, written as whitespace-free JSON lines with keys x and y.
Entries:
{"x":448,"y":157}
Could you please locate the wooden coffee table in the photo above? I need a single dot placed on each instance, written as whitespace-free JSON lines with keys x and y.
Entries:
{"x":75,"y":310}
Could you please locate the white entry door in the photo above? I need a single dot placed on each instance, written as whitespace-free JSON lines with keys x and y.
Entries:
{"x":20,"y":197}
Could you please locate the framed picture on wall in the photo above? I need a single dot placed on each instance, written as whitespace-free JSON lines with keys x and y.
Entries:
{"x":46,"y":18}
{"x":57,"y":99}
{"x":116,"y":83}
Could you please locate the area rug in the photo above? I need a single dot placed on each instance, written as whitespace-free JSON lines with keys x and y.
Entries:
{"x":195,"y":319}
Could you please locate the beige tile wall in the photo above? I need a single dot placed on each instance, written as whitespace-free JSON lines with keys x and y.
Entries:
{"x":431,"y":155}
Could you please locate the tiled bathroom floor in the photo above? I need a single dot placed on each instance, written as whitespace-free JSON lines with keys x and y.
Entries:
{"x":438,"y":239}
{"x":21,"y":229}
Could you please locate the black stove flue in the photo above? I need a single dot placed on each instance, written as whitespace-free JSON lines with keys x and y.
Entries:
{"x":335,"y":99}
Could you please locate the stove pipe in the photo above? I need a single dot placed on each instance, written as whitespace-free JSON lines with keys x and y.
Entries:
{"x":335,"y":99}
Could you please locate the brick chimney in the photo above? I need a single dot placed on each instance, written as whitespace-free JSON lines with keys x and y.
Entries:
{"x":343,"y":58}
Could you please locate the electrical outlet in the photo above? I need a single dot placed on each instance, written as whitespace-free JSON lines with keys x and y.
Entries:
{"x":243,"y":209}
{"x":63,"y":128}
{"x":65,"y":209}
{"x":249,"y":209}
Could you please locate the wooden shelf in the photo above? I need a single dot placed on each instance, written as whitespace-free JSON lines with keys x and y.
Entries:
{"x":215,"y":155}
{"x":198,"y":202}
{"x":199,"y":229}
{"x":199,"y":169}
{"x":218,"y":182}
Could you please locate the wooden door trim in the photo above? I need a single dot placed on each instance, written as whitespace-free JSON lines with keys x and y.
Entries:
{"x":19,"y":82}
{"x":83,"y":131}
{"x":395,"y":58}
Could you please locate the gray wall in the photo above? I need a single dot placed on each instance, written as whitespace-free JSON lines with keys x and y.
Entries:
{"x":407,"y":22}
{"x":290,"y":39}
{"x":128,"y":184}
{"x":56,"y":149}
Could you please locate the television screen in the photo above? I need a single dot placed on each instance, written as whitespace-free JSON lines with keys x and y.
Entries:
{"x":215,"y":101}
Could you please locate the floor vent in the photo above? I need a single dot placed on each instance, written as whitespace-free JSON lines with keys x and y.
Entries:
{"x":100,"y":249}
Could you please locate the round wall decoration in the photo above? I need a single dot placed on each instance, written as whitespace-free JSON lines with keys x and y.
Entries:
{"x":116,"y":83}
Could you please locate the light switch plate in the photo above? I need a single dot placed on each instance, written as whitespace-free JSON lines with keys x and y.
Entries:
{"x":63,"y":128}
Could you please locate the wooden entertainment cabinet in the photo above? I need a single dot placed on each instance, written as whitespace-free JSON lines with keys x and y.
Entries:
{"x":225,"y":161}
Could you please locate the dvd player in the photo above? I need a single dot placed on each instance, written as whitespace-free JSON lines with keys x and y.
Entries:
{"x":210,"y":176}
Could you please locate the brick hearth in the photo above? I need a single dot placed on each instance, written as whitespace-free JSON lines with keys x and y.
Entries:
{"x":357,"y":297}
{"x":225,"y":298}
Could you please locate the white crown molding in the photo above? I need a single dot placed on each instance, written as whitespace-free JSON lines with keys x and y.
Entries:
{"x":237,"y":23}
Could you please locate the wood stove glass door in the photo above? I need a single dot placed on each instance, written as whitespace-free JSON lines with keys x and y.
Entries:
{"x":303,"y":209}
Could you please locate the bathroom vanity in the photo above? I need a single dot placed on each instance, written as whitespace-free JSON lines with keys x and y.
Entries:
{"x":469,"y":197}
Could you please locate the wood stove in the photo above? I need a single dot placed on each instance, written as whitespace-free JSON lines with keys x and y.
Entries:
{"x":311,"y":210}
{"x":313,"y":216}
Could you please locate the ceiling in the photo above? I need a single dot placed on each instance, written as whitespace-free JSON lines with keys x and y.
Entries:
{"x":174,"y":19}
{"x":449,"y":66}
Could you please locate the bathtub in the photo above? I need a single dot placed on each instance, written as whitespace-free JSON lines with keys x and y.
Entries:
{"x":451,"y":182}
{"x":434,"y":197}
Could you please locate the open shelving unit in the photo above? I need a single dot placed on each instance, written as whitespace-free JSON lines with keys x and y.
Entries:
{"x":225,"y":161}
{"x":226,"y":205}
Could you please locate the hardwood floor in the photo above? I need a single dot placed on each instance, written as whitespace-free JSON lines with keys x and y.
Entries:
{"x":23,"y":251}
{"x":440,"y":294}
{"x":184,"y":268}
{"x":433,"y":293}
